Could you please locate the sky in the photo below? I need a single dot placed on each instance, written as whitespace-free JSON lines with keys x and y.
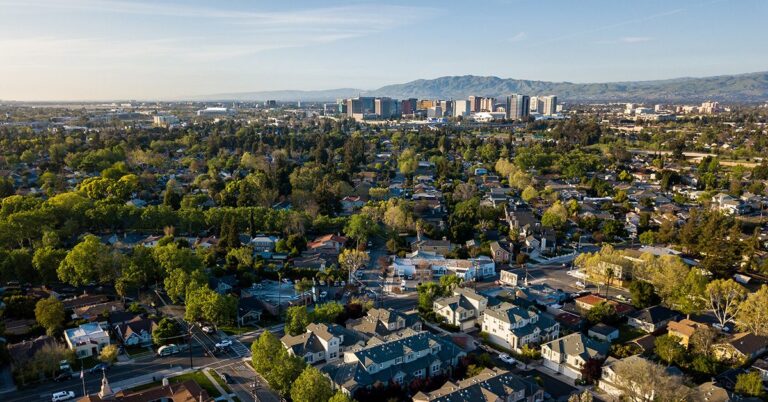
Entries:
{"x":161,"y":49}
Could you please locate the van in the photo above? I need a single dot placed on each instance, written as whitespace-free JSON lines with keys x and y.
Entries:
{"x":62,"y":396}
{"x":167,"y":350}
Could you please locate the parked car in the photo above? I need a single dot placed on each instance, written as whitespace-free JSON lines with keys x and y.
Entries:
{"x":207,"y":329}
{"x":580,"y":284}
{"x":507,"y":358}
{"x":323,"y":294}
{"x":224,"y":343}
{"x":167,"y":350}
{"x":63,"y":376}
{"x":227,"y":378}
{"x":99,"y":368}
{"x":62,"y":396}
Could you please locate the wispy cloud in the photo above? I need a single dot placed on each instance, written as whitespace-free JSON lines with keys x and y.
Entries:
{"x":618,"y":24}
{"x":518,"y":37}
{"x":635,"y":39}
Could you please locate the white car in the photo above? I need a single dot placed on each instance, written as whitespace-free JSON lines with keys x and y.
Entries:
{"x":323,"y":294}
{"x":507,"y":358}
{"x":224,"y":343}
{"x":207,"y":329}
{"x":580,"y":284}
{"x":62,"y":396}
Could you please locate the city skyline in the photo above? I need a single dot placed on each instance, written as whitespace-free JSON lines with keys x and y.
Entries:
{"x":91,"y":50}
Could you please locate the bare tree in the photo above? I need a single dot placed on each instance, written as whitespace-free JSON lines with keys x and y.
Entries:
{"x":724,"y":298}
{"x":640,"y":380}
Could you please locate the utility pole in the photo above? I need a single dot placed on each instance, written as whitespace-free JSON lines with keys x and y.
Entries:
{"x":189,"y":328}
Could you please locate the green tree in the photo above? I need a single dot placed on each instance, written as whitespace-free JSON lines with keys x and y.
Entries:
{"x":360,"y":227}
{"x":89,"y":261}
{"x":46,"y":261}
{"x":669,"y":349}
{"x":643,"y":294}
{"x":340,"y":396}
{"x":179,"y":282}
{"x":750,"y":384}
{"x":296,"y":320}
{"x":167,"y":331}
{"x":311,"y":386}
{"x":108,"y":354}
{"x":205,"y":304}
{"x":529,"y":193}
{"x":753,"y":314}
{"x":49,"y":313}
{"x":408,"y":162}
{"x":555,"y":216}
{"x":427,"y":294}
{"x":327,"y":312}
{"x":602,"y":312}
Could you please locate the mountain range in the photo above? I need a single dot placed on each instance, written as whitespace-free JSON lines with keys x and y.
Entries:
{"x":750,"y":87}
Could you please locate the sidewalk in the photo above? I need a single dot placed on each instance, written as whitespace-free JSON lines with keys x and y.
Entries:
{"x":147,"y":378}
{"x":207,"y":373}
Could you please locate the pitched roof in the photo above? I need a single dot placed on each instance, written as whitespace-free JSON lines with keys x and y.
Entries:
{"x":655,"y":314}
{"x":490,"y":385}
{"x":577,"y":344}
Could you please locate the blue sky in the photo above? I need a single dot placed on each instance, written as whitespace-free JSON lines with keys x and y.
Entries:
{"x":158,"y":49}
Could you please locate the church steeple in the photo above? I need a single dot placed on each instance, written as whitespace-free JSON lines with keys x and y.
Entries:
{"x":106,"y":390}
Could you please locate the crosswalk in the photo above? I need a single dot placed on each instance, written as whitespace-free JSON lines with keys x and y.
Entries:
{"x":239,"y":349}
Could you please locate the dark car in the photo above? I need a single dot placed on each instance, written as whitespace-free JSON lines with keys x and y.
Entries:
{"x":63,"y":377}
{"x":227,"y":378}
{"x":99,"y":368}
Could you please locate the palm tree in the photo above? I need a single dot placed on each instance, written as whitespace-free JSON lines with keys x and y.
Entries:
{"x":608,"y":274}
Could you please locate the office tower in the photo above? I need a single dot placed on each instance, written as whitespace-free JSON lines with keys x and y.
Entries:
{"x":461,"y":108}
{"x":475,"y":103}
{"x":487,"y":105}
{"x":518,"y":106}
{"x":447,"y":106}
{"x":548,"y":105}
{"x":383,"y":107}
{"x":536,"y":104}
{"x":409,"y":106}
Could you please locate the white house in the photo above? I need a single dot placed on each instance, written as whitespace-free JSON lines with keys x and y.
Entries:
{"x":567,"y":355}
{"x":87,"y":339}
{"x":513,"y":327}
{"x":463,"y":309}
{"x":137,"y":331}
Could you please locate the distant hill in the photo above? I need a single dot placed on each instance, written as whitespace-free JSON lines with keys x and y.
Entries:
{"x":751,"y":87}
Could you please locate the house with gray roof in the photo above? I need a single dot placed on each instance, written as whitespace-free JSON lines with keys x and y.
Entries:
{"x":382,"y":322}
{"x":320,"y":343}
{"x":492,"y":384}
{"x":400,"y":357}
{"x":513,"y":327}
{"x":568,"y":354}
{"x":463,"y":309}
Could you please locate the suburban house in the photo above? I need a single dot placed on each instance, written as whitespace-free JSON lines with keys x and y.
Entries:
{"x":87,"y":339}
{"x":320,"y":343}
{"x":382,"y":322}
{"x":263,"y":244}
{"x":328,"y":244}
{"x":501,"y":254}
{"x":523,"y":221}
{"x":587,"y":302}
{"x":567,"y":355}
{"x":513,"y":327}
{"x":492,"y":384}
{"x":20,"y":353}
{"x":137,"y":331}
{"x":440,"y":247}
{"x":508,"y":278}
{"x":684,"y":330}
{"x":401,"y":358}
{"x":603,"y":332}
{"x":741,"y":347}
{"x":97,"y":312}
{"x":652,"y":319}
{"x":351,"y":203}
{"x":249,"y":310}
{"x":463,"y":309}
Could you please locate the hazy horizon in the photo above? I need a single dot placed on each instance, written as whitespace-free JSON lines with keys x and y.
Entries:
{"x":112,"y":49}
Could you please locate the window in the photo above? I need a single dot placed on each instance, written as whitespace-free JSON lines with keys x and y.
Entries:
{"x":435,"y":368}
{"x":398,"y":360}
{"x":333,"y":355}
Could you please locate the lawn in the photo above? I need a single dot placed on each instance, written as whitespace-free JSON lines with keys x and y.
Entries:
{"x":627,"y":333}
{"x":230,"y":330}
{"x":201,"y":379}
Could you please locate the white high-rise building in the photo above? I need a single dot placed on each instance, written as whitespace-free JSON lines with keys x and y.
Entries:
{"x":548,"y":105}
{"x":461,"y":108}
